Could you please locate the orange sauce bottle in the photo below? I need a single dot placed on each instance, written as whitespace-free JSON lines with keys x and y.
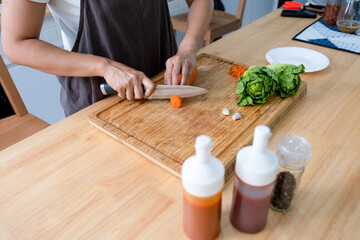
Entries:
{"x":203,"y":182}
{"x":206,"y":211}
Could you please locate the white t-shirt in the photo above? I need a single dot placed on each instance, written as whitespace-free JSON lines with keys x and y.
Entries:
{"x":67,"y":14}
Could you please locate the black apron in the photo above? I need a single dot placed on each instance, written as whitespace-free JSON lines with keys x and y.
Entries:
{"x":137,"y":33}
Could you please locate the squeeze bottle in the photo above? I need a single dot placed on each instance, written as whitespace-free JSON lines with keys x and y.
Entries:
{"x":203,"y":182}
{"x":255,"y":174}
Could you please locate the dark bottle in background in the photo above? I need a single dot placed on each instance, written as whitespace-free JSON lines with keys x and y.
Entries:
{"x":332,"y":9}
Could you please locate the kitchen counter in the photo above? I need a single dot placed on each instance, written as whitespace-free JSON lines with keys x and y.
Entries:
{"x":71,"y":181}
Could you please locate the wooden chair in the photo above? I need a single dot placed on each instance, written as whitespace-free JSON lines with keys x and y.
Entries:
{"x":221,"y":22}
{"x":22,"y":124}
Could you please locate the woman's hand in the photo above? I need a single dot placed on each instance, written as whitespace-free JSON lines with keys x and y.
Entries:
{"x":184,"y":63}
{"x":185,"y":60}
{"x":127,"y":81}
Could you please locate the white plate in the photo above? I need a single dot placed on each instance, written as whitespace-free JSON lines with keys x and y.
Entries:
{"x":312,"y":60}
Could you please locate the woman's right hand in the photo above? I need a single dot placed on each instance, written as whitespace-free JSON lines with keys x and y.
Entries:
{"x":127,"y":81}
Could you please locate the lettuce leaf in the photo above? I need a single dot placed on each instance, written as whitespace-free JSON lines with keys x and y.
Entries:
{"x":256,"y":85}
{"x":288,"y":76}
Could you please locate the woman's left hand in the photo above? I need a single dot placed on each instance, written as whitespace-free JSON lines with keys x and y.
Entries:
{"x":182,"y":62}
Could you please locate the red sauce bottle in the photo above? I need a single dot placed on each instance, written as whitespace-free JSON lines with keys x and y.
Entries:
{"x":255,"y":174}
{"x":203,"y":182}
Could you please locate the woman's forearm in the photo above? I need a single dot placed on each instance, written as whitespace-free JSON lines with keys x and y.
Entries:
{"x":198,"y":22}
{"x":48,"y":58}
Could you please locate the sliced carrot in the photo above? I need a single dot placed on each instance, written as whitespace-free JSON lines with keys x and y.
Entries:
{"x":175,"y":100}
{"x":237,"y":70}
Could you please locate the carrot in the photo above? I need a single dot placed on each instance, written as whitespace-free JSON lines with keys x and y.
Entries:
{"x":237,"y":70}
{"x":175,"y":100}
{"x":192,"y":77}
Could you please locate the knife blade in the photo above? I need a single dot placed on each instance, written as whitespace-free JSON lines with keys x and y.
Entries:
{"x":163,"y":91}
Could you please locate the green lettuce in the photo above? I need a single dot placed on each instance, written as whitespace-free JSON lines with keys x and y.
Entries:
{"x":289,"y":79}
{"x":256,"y":85}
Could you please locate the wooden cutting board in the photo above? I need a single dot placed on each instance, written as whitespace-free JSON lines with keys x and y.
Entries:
{"x":166,"y":135}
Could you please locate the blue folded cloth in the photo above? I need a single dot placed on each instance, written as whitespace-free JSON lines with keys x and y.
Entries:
{"x":324,"y":35}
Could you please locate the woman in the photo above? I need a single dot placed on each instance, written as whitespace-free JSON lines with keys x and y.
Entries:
{"x":122,"y":42}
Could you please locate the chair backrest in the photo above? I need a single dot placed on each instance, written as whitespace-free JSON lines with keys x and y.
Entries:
{"x":11,"y":91}
{"x":240,"y":11}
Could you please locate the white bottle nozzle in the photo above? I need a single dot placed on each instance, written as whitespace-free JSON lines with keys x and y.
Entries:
{"x":256,"y":165}
{"x":261,"y":138}
{"x":203,"y":174}
{"x":203,"y":148}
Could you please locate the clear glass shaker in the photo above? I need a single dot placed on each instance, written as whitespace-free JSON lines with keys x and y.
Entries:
{"x":348,"y":20}
{"x":294,"y":153}
{"x":332,"y":9}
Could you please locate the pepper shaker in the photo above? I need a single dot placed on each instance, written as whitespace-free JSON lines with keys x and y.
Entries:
{"x":293,"y":153}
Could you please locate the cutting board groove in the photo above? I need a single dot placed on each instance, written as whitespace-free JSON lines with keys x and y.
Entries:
{"x":166,"y":135}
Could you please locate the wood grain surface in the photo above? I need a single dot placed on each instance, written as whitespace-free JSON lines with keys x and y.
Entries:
{"x":71,"y":181}
{"x":14,"y":128}
{"x":145,"y":125}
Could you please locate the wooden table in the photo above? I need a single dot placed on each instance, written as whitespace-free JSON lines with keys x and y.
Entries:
{"x":71,"y":181}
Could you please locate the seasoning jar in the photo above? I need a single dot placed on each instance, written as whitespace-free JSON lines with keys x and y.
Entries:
{"x":332,"y":9}
{"x":348,"y":20}
{"x":203,"y":180}
{"x":293,"y":153}
{"x":255,"y":174}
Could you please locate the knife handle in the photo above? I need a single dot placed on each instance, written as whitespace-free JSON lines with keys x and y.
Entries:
{"x":107,"y":90}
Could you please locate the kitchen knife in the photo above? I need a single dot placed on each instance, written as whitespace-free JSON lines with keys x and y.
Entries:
{"x":163,"y":91}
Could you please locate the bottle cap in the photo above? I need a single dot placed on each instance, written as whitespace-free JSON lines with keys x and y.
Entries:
{"x":261,"y":138}
{"x":202,"y":174}
{"x":256,"y":165}
{"x":294,"y":151}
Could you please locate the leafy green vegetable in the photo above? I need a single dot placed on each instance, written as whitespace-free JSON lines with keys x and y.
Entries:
{"x":289,"y":79}
{"x":256,"y":85}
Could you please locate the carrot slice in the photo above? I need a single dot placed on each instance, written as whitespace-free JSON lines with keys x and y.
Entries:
{"x":176,"y":101}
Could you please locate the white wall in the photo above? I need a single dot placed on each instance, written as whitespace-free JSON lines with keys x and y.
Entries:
{"x":177,"y":7}
{"x":254,"y":9}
